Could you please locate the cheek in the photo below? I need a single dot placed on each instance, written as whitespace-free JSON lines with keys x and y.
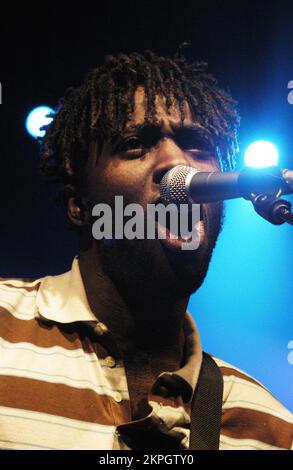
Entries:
{"x":116,"y":179}
{"x":212,"y":219}
{"x":205,"y":165}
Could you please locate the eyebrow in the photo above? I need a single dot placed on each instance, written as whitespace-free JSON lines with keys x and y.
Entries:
{"x":157,"y":127}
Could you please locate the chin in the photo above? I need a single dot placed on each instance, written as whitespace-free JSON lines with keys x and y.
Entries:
{"x":149,"y":269}
{"x":190,"y":270}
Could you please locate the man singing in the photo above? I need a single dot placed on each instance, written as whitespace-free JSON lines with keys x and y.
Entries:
{"x":106,"y":356}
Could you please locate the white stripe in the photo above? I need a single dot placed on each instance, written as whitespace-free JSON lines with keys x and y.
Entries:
{"x":230,"y":443}
{"x":48,"y":351}
{"x":21,"y":429}
{"x":58,"y":365}
{"x":23,"y":312}
{"x":23,"y":292}
{"x":257,"y":406}
{"x":15,"y":302}
{"x":221,"y":363}
{"x":20,"y":445}
{"x":245,"y":394}
{"x":19,"y":282}
{"x":20,"y":303}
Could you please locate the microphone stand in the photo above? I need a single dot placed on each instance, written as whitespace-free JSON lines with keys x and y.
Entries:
{"x":275,"y":210}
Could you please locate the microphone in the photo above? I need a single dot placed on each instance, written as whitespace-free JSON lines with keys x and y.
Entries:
{"x":186,"y":185}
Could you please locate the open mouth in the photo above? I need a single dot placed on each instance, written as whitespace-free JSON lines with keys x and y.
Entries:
{"x":181,"y":226}
{"x":177,"y":229}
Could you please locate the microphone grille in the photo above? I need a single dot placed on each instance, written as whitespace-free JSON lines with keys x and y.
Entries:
{"x":173,"y":187}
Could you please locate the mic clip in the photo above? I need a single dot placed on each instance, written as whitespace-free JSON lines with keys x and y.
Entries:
{"x":275,"y":210}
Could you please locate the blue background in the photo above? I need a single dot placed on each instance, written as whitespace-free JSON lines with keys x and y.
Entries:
{"x":244,"y":308}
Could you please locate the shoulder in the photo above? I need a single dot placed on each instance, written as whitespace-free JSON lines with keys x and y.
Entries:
{"x":18,"y":297}
{"x":251,"y":416}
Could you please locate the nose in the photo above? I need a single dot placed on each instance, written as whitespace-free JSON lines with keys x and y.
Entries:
{"x":168,"y":155}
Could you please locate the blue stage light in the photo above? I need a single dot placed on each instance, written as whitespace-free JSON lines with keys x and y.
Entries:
{"x":261,"y":153}
{"x":36,"y":119}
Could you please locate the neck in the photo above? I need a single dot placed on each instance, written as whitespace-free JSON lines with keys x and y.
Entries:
{"x":133,"y":321}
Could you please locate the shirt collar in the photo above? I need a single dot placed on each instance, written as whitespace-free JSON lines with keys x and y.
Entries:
{"x":63,"y":299}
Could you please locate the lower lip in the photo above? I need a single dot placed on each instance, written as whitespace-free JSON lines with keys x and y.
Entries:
{"x":174,"y":244}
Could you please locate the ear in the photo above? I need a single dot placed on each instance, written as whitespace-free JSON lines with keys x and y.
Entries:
{"x":77,"y":211}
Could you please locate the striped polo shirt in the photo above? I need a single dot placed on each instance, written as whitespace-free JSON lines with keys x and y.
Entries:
{"x":63,"y":383}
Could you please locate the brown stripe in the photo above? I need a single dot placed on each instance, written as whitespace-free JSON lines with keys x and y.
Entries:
{"x":228,"y":371}
{"x":46,"y":334}
{"x":34,"y":331}
{"x":242,"y":423}
{"x":62,"y":400}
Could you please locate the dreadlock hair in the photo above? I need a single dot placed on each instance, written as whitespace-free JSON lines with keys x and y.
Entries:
{"x":101,"y":107}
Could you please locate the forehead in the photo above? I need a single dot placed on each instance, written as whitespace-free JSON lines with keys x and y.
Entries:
{"x":163,"y":114}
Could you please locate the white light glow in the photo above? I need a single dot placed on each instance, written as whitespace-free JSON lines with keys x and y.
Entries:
{"x":261,"y":153}
{"x":36,"y":119}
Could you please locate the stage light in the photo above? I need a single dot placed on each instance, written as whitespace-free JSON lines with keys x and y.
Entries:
{"x":261,"y":153}
{"x":36,"y":119}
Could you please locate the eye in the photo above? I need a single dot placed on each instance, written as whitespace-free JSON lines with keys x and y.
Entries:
{"x":196,"y":144}
{"x":201,"y":154}
{"x":199,"y":148}
{"x":193,"y":140}
{"x":131,"y":145}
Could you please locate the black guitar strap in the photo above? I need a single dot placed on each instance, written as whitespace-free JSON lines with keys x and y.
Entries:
{"x":207,"y":407}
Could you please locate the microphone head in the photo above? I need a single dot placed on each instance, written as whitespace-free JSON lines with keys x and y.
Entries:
{"x":174,"y":186}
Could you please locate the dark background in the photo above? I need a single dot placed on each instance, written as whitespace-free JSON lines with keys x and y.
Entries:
{"x":45,"y":49}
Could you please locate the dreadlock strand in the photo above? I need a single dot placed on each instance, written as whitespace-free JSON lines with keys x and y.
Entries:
{"x":105,"y":102}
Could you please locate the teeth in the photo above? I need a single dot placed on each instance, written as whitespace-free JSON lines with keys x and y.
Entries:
{"x":167,"y":224}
